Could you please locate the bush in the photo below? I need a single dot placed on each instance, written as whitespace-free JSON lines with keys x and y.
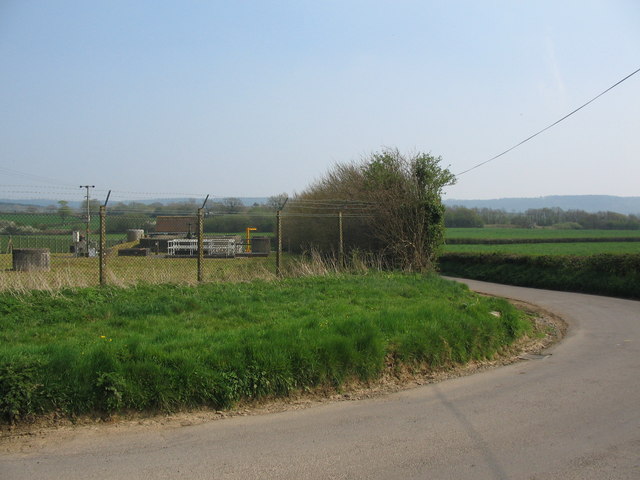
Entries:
{"x":393,"y":204}
{"x":19,"y":386}
{"x":604,"y":274}
{"x":238,"y":223}
{"x":567,"y":226}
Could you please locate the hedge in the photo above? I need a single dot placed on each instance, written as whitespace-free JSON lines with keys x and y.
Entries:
{"x":604,"y":274}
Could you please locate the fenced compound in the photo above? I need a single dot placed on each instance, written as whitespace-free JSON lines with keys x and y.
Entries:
{"x":122,"y":247}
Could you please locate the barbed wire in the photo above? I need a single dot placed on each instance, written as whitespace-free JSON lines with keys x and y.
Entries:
{"x":330,"y":200}
{"x":122,"y":203}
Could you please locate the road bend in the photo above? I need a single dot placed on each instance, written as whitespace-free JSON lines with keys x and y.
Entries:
{"x":573,"y":415}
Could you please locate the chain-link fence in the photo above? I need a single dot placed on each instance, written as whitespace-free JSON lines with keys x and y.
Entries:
{"x":132,"y":244}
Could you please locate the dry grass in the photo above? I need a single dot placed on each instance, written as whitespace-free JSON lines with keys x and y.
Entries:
{"x":68,"y":271}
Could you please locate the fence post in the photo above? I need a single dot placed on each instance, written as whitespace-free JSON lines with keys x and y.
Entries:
{"x":279,"y":249}
{"x":103,"y":245}
{"x":200,"y":243}
{"x":341,"y":242}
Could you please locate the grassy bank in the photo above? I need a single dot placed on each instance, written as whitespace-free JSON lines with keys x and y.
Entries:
{"x":605,"y":274}
{"x":167,"y":348}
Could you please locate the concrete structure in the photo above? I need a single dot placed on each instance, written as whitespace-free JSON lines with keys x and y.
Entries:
{"x":31,"y":259}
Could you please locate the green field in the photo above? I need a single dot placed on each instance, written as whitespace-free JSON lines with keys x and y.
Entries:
{"x":569,"y":242}
{"x":166,"y":347}
{"x":535,"y":233}
{"x":584,"y":248}
{"x":589,"y":261}
{"x":51,"y":221}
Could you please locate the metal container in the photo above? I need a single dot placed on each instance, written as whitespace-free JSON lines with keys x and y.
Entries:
{"x":134,"y":234}
{"x":260,"y":245}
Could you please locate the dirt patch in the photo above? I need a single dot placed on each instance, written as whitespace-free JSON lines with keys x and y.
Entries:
{"x":547,"y":330}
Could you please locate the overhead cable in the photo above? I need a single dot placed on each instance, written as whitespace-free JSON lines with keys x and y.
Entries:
{"x":548,"y":127}
{"x":40,"y":178}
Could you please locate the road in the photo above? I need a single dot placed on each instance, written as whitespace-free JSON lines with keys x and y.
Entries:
{"x":572,"y":415}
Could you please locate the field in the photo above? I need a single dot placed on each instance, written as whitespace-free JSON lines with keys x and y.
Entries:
{"x":61,"y":243}
{"x":589,"y":261}
{"x":535,"y":233}
{"x":539,"y":241}
{"x":166,"y":347}
{"x":48,"y":220}
{"x":583,"y":248}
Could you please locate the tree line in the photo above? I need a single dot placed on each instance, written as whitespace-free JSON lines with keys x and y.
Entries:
{"x":462,"y":217}
{"x":228,"y":215}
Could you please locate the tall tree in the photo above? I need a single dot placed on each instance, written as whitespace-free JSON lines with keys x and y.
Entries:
{"x":64,"y":210}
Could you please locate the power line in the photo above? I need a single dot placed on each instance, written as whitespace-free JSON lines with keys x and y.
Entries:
{"x":329,"y":200}
{"x":550,"y":126}
{"x":40,"y":187}
{"x":40,"y":178}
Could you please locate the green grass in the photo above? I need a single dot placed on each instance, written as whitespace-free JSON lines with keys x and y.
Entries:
{"x":167,"y":347}
{"x":61,"y":243}
{"x":589,"y":261}
{"x":535,"y":233}
{"x":585,"y":248}
{"x":615,"y":275}
{"x":48,"y":220}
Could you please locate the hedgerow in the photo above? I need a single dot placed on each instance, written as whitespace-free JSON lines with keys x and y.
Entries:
{"x":604,"y":274}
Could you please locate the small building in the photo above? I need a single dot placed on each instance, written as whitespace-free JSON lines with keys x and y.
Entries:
{"x":177,"y":225}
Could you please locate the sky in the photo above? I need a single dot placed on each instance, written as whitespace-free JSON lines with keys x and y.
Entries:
{"x":254,"y":98}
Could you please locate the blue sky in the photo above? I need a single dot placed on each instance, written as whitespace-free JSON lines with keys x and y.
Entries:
{"x":254,"y":98}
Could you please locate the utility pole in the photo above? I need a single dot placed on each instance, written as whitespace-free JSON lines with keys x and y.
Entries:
{"x":86,"y":238}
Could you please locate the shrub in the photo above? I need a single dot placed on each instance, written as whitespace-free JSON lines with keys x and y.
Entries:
{"x":393,"y":204}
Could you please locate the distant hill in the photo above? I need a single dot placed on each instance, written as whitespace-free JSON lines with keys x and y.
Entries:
{"x":588,"y":203}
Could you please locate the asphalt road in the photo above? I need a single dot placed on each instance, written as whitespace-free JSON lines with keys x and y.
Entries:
{"x":572,"y":415}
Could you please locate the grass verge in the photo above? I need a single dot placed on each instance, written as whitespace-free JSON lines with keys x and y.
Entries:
{"x":168,"y":348}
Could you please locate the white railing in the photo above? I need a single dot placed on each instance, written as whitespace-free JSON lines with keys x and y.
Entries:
{"x":215,"y":247}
